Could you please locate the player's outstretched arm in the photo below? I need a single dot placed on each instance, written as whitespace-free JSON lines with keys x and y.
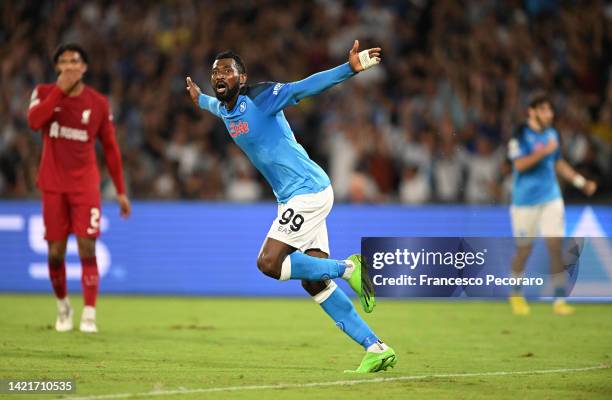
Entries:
{"x":194,"y":90}
{"x":201,"y":100}
{"x":569,"y":174}
{"x":357,"y":61}
{"x":284,"y":95}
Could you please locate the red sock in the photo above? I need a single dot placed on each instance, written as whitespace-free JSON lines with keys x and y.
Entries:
{"x":89,"y":280}
{"x":57,"y":274}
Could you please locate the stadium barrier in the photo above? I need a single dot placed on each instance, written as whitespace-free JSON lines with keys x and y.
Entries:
{"x":195,"y":248}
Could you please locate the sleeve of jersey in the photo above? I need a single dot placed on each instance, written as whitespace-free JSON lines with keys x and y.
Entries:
{"x":42,"y":108}
{"x":558,"y":152}
{"x":283,"y":95}
{"x":112,"y":154}
{"x":209,"y":104}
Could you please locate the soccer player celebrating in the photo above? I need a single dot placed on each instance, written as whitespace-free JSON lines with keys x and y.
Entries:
{"x":296,"y":246}
{"x":536,"y":197}
{"x":71,"y":115}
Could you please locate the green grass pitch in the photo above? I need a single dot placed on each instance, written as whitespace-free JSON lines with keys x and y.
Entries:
{"x":236,"y":348}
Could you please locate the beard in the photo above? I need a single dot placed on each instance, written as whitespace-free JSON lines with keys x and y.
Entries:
{"x":229,"y":93}
{"x":544,"y":123}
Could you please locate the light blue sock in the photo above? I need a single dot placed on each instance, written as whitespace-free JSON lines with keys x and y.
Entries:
{"x":341,"y":309}
{"x":301,"y":266}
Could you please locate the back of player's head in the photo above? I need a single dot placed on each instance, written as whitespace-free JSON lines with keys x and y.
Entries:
{"x":538,"y":98}
{"x":70,"y":47}
{"x":230,"y":54}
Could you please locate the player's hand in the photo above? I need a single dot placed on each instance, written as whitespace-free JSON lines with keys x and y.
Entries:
{"x":124,"y":205}
{"x":589,"y":188}
{"x":194,"y":90}
{"x":550,"y":147}
{"x":365,"y":59}
{"x":68,"y":79}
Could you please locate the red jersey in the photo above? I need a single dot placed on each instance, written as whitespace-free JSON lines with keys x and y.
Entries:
{"x":70,"y":126}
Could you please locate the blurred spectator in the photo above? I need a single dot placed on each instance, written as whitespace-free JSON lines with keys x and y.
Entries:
{"x":449,"y":172}
{"x":414,"y":187}
{"x":482,"y":170}
{"x":241,"y":183}
{"x":450,"y":90}
{"x":362,"y":189}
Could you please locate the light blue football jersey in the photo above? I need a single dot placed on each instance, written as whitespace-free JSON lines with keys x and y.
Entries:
{"x":538,"y":184}
{"x":258,"y":126}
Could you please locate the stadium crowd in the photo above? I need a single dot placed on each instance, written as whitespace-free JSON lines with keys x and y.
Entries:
{"x":430,"y":125}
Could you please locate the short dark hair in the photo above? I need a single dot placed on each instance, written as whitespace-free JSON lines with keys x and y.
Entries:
{"x":538,"y":98}
{"x":233,"y":56}
{"x":70,"y":47}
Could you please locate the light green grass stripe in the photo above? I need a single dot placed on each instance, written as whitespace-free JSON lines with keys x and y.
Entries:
{"x":335,"y":383}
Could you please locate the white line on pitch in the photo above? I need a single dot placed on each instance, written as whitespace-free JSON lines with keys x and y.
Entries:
{"x":334,"y":383}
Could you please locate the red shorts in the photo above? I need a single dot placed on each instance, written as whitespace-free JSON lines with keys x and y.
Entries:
{"x":77,"y":212}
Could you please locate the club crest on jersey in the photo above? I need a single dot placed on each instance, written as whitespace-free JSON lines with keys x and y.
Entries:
{"x":85,"y":117}
{"x":242,"y":107}
{"x":238,"y":128}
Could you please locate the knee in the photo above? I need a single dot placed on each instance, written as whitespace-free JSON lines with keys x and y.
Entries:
{"x":55,"y":260}
{"x":269,"y":265}
{"x":523,"y":252}
{"x":87,"y":248}
{"x":87,"y":252}
{"x":308,"y":285}
{"x":55,"y":257}
{"x":313,"y":287}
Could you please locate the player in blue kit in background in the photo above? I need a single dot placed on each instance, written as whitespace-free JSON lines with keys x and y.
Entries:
{"x":296,"y":246}
{"x":537,"y":204}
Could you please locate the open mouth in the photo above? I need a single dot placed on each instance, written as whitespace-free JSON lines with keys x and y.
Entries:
{"x":221,"y":88}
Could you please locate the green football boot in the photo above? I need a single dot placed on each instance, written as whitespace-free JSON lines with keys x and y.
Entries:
{"x":376,"y":362}
{"x":361,"y":283}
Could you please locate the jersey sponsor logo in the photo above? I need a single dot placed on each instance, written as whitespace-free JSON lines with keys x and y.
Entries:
{"x":85,"y":116}
{"x":242,"y":106}
{"x":277,"y":88}
{"x":57,"y":131}
{"x":238,"y":128}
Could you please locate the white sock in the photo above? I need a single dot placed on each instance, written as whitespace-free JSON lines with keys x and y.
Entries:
{"x":348,"y":272}
{"x":285,"y":274}
{"x":89,"y":312}
{"x":63,"y":304}
{"x":377,"y":347}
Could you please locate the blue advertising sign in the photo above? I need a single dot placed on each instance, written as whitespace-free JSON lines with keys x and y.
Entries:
{"x":196,"y":248}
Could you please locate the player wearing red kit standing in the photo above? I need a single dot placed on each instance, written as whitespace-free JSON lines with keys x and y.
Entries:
{"x":71,"y":115}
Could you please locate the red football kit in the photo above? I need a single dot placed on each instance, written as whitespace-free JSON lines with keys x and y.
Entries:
{"x":68,"y":175}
